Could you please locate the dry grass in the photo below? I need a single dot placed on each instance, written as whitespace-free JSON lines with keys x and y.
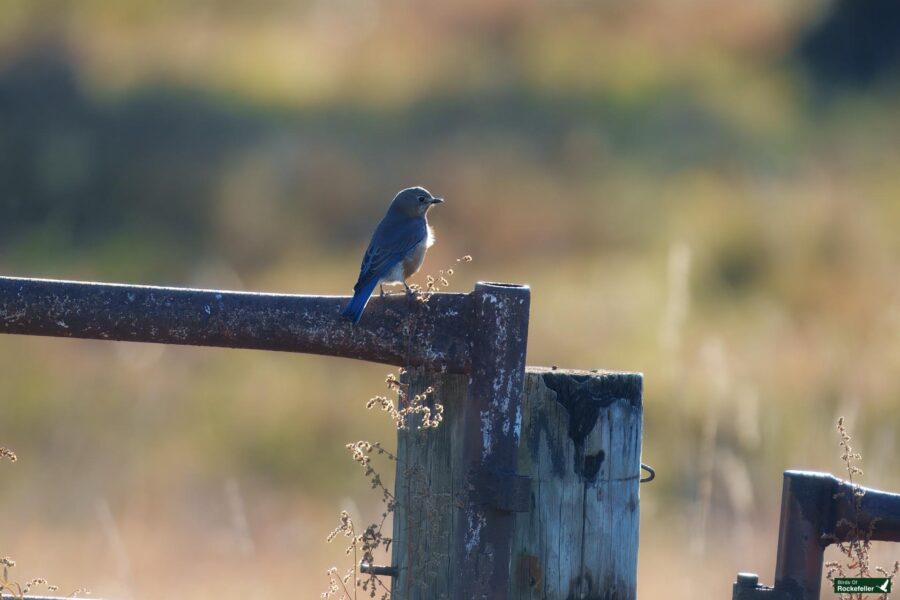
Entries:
{"x":18,"y":590}
{"x":422,"y":412}
{"x":678,"y":200}
{"x":9,"y":584}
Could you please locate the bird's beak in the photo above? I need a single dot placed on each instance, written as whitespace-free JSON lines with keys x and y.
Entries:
{"x":437,"y":200}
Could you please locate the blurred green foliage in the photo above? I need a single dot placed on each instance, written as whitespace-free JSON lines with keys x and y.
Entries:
{"x":681,"y":198}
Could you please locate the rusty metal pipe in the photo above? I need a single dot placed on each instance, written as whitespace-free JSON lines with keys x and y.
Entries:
{"x":814,"y":511}
{"x":397,"y":330}
{"x":493,"y":420}
{"x":875,"y":505}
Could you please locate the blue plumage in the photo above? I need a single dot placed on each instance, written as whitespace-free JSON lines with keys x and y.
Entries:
{"x":357,"y":304}
{"x":397,"y":248}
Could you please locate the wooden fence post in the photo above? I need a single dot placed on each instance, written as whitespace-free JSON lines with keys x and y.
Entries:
{"x":580,"y":446}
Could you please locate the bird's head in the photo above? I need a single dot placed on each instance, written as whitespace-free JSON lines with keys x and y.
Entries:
{"x":413,"y":202}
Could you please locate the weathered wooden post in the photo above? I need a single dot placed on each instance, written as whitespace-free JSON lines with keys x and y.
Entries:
{"x":581,"y":445}
{"x":575,"y":530}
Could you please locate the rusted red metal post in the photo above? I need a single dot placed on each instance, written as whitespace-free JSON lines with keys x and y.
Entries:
{"x":815,"y":508}
{"x":493,"y":491}
{"x":815,"y":511}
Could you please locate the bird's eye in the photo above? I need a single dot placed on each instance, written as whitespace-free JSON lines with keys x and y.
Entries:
{"x":421,"y":198}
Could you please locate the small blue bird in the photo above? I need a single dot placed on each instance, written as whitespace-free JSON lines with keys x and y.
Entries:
{"x":397,"y":249}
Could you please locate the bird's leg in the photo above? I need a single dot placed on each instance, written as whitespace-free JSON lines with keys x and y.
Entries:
{"x":381,"y":285}
{"x":409,"y":291}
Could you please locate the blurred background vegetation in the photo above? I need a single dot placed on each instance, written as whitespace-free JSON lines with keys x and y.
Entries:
{"x":704,"y":191}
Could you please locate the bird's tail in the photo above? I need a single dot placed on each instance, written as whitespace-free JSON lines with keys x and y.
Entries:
{"x":357,"y":304}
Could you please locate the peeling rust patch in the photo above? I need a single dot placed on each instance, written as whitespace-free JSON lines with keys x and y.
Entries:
{"x":529,"y":573}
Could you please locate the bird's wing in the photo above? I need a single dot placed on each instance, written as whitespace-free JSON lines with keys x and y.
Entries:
{"x":390,"y":244}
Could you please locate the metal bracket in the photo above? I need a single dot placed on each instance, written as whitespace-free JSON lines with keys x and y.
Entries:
{"x":377,"y":570}
{"x":747,"y":587}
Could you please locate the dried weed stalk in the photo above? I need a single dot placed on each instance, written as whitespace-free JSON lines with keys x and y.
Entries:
{"x":427,"y":413}
{"x":14,"y":588}
{"x":361,"y":547}
{"x":424,"y":405}
{"x":856,"y":548}
{"x":18,"y":590}
{"x":435,"y":284}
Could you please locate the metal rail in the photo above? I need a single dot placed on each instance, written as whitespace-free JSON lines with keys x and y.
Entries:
{"x":310,"y":324}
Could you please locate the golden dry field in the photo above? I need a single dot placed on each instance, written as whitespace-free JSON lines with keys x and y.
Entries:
{"x":694,"y":189}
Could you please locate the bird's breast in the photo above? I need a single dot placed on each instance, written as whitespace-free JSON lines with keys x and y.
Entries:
{"x":413,"y":261}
